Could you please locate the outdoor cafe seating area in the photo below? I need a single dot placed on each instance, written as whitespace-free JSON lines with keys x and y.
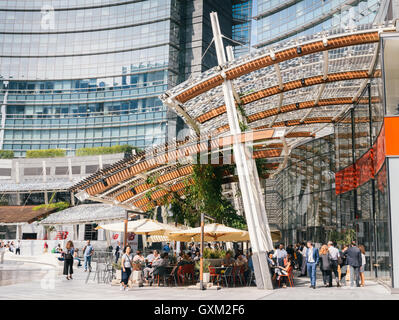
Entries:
{"x":183,"y":269}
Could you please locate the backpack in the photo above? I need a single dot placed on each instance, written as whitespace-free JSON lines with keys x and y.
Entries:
{"x":68,"y":255}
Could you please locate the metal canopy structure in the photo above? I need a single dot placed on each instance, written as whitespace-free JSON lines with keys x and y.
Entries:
{"x":305,"y":84}
{"x":287,"y":94}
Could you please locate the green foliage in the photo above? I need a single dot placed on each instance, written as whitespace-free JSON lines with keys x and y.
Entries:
{"x":46,"y":153}
{"x":206,"y":265}
{"x":243,"y":126}
{"x":106,"y":150}
{"x":343,"y":237}
{"x":213,"y":254}
{"x":6,"y":154}
{"x":205,"y":195}
{"x":58,"y":206}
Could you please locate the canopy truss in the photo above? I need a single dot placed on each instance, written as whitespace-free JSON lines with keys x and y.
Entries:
{"x":286,"y":94}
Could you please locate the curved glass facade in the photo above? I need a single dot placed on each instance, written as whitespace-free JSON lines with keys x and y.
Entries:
{"x":86,"y":73}
{"x":339,"y":182}
{"x":282,"y":20}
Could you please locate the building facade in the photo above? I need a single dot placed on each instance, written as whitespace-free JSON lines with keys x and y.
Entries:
{"x":281,"y":20}
{"x":87,"y":73}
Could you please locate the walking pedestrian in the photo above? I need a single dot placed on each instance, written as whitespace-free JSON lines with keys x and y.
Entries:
{"x":312,"y":259}
{"x":127,"y":267}
{"x":354,"y":260}
{"x":362,"y":267}
{"x":280,"y":254}
{"x":117,"y":251}
{"x":334,"y":255}
{"x":325,"y":266}
{"x":18,"y":248}
{"x":88,"y":252}
{"x":343,"y":265}
{"x":303,"y":264}
{"x":68,"y":260}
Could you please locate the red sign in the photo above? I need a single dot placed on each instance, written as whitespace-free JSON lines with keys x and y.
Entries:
{"x":115,"y":236}
{"x":131,"y":236}
{"x":364,"y":168}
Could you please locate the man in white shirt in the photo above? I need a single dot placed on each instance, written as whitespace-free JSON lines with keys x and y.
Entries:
{"x":303,"y":266}
{"x":334,"y":254}
{"x":280,"y":255}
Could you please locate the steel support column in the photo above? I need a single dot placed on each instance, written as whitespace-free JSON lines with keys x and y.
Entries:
{"x":373,"y":215}
{"x":254,"y":205}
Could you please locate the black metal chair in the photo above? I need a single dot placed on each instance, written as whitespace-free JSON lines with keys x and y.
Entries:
{"x":228,"y":275}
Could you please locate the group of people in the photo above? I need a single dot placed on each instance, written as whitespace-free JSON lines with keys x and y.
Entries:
{"x":70,"y":253}
{"x":155,"y":262}
{"x":330,"y":259}
{"x":10,"y":246}
{"x":149,"y":265}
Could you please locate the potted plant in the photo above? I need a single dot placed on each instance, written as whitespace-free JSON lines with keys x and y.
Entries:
{"x":206,"y":265}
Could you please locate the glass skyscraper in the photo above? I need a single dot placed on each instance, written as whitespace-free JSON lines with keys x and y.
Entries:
{"x":87,"y":73}
{"x":284,"y":19}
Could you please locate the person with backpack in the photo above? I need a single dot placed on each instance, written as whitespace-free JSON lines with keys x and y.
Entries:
{"x":325,"y":266}
{"x":127,"y":267}
{"x":68,"y":260}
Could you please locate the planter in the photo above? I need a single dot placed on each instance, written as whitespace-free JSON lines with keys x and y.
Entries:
{"x":207,"y":277}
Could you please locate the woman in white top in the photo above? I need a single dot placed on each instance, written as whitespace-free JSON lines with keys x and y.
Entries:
{"x":363,"y":251}
{"x":126,"y":267}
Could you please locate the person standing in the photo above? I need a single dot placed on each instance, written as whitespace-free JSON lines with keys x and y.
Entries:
{"x":127,"y":267}
{"x":354,"y":260}
{"x":280,"y":255}
{"x":343,"y":265}
{"x":334,"y":255}
{"x":68,"y":260}
{"x":303,"y":265}
{"x":363,"y":266}
{"x":117,"y":251}
{"x":88,"y":252}
{"x":18,"y":248}
{"x":325,"y":266}
{"x":45,"y":250}
{"x":312,"y":259}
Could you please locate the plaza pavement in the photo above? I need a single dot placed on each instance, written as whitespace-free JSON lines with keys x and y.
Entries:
{"x":49,"y":284}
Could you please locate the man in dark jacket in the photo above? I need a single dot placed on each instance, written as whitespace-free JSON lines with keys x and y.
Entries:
{"x":312,"y":260}
{"x":354,"y":260}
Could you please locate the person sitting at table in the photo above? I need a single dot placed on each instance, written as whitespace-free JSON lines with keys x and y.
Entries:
{"x":149,"y":269}
{"x":150,"y":257}
{"x":272,"y":265}
{"x":180,"y":257}
{"x":186,"y":259}
{"x":227,"y":260}
{"x":243,"y":263}
{"x":139,"y":257}
{"x":75,"y":257}
{"x":284,"y":270}
{"x":197,"y":256}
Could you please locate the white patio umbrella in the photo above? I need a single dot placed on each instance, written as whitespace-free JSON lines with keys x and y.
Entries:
{"x":142,"y":226}
{"x":212,"y":232}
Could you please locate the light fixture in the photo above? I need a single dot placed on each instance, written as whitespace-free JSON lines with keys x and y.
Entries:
{"x":298,"y":50}
{"x":105,"y":183}
{"x":82,"y":196}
